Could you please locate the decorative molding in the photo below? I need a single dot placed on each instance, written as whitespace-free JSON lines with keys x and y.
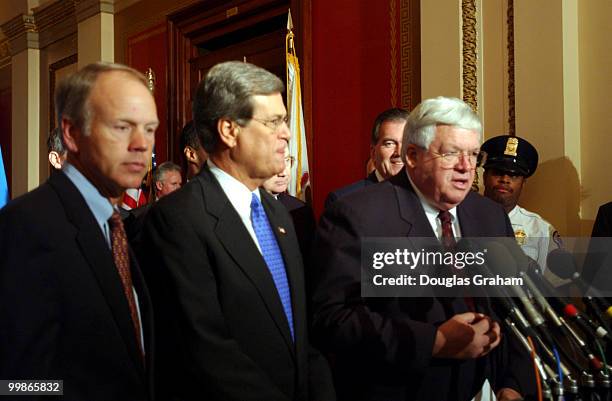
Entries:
{"x":55,"y":21}
{"x":88,"y":8}
{"x":5,"y":53}
{"x":58,"y":65}
{"x":470,"y":79}
{"x":21,"y":32}
{"x":511,"y":95}
{"x":393,"y":45}
{"x":406,"y":43}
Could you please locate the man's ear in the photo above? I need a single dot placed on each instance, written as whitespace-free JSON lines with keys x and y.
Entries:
{"x":228,"y":132}
{"x":372,"y":152}
{"x":190,"y":154}
{"x":70,"y":133}
{"x":55,"y":160}
{"x":159,"y":185}
{"x":412,"y":152}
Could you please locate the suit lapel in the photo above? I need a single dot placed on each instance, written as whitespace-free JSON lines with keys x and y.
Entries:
{"x":240,"y":247}
{"x":468,"y":223}
{"x":146,"y":317}
{"x":410,"y":207}
{"x":94,"y":248}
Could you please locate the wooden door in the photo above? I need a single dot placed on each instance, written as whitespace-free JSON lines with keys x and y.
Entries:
{"x":213,"y":31}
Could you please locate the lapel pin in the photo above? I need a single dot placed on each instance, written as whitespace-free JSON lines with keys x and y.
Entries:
{"x":282,"y":230}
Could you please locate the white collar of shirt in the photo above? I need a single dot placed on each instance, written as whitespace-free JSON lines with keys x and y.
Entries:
{"x":514,"y":211}
{"x":432,"y":213}
{"x":100,"y":206}
{"x":239,"y":196}
{"x":379,"y":177}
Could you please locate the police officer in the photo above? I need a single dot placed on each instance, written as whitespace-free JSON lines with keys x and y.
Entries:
{"x":510,"y":161}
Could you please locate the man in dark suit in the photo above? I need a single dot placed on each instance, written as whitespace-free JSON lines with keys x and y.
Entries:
{"x":598,"y":262}
{"x":301,"y":213}
{"x":603,"y":222}
{"x":73,"y":302}
{"x":193,"y":153}
{"x":413,"y":348}
{"x":385,"y":147}
{"x":226,"y":274}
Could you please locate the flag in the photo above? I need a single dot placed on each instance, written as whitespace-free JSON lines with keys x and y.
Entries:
{"x":4,"y":192}
{"x":300,"y":173}
{"x":136,"y":197}
{"x":133,"y":198}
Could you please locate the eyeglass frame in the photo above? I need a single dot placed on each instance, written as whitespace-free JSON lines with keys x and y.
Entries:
{"x":481,"y":157}
{"x":276,"y":122}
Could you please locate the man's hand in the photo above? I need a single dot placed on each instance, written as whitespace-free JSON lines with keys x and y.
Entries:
{"x":466,"y":336}
{"x":508,"y":394}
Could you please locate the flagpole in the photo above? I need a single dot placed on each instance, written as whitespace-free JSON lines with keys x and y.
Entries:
{"x":300,"y":176}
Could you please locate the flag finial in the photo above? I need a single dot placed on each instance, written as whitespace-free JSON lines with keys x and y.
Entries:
{"x":289,"y":21}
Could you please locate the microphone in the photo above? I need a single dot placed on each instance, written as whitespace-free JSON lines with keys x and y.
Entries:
{"x":505,"y":305}
{"x":503,"y":263}
{"x":569,"y":310}
{"x":562,"y":264}
{"x":565,"y":329}
{"x":503,"y":257}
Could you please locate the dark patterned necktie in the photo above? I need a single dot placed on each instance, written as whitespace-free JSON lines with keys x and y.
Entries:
{"x":449,"y":242}
{"x":448,"y":238}
{"x":272,"y":256}
{"x":121,"y":257}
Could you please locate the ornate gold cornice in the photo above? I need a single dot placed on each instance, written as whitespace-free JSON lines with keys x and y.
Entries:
{"x":55,"y":21}
{"x":511,"y":98}
{"x":21,"y":32}
{"x":470,"y":80}
{"x":88,"y":8}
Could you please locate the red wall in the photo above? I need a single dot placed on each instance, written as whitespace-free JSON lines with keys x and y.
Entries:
{"x":145,"y":50}
{"x":351,"y":85}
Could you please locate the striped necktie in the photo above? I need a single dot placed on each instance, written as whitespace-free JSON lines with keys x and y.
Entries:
{"x":122,"y":262}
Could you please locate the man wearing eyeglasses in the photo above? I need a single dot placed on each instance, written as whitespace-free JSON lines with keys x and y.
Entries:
{"x":385,"y":149}
{"x":224,"y":263}
{"x":414,"y":348}
{"x":510,"y":161}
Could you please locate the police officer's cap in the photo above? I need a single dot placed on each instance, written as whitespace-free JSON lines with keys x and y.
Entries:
{"x":510,"y":154}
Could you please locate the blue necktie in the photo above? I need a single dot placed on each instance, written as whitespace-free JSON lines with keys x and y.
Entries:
{"x":272,"y":255}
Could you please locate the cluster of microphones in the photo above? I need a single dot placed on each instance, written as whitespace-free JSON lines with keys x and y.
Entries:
{"x":569,"y":339}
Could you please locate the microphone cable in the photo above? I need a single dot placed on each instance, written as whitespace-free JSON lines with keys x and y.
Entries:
{"x":535,"y":368}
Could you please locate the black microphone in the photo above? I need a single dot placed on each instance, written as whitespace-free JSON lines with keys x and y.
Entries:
{"x":500,"y":297}
{"x":531,"y":278}
{"x":505,"y":305}
{"x":562,"y":264}
{"x":503,"y":257}
{"x":569,"y":310}
{"x":504,"y":264}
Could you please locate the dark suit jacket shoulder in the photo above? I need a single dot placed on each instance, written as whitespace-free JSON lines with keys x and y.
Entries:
{"x":603,"y":221}
{"x":356,"y":186}
{"x":62,"y":304}
{"x":224,"y":334}
{"x":382,"y":346}
{"x":303,"y":221}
